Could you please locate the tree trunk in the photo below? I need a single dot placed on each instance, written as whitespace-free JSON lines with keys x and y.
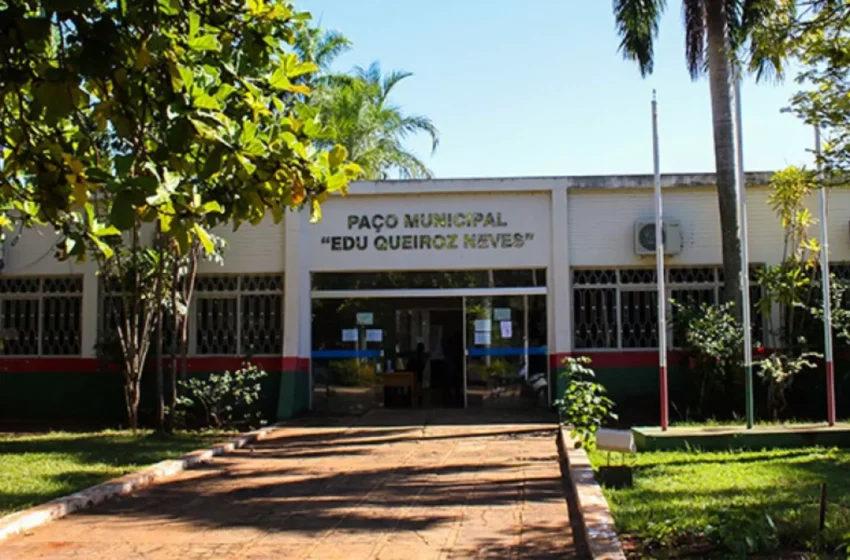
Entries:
{"x":160,"y":383}
{"x":721,"y":81}
{"x":172,"y":395}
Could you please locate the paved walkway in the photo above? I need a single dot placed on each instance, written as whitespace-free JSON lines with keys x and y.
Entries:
{"x":374,"y":490}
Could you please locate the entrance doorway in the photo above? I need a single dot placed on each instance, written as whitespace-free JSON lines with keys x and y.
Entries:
{"x":398,"y":347}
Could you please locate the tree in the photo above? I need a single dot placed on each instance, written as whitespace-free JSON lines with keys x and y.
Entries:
{"x":819,"y":37}
{"x":715,"y":33}
{"x":122,"y":118}
{"x":321,"y":47}
{"x":359,"y":115}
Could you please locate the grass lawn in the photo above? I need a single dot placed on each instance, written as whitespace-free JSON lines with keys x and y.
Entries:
{"x":35,"y":468}
{"x":726,"y":503}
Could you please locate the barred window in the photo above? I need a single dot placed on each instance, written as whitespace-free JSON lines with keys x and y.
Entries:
{"x":41,"y":316}
{"x":618,"y":308}
{"x":239,"y":315}
{"x":112,"y":315}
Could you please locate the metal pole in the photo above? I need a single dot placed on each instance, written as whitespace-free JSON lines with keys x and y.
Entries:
{"x":745,"y":255}
{"x":825,"y":283}
{"x":659,"y":262}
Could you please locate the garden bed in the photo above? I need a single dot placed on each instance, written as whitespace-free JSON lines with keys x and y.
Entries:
{"x":697,"y":504}
{"x":35,"y":468}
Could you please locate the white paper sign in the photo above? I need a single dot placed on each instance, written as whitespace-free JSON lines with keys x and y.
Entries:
{"x":482,"y":338}
{"x":502,"y":314}
{"x":349,"y":335}
{"x":483,"y":325}
{"x":507,"y":329}
{"x":366,"y":318}
{"x":374,"y":335}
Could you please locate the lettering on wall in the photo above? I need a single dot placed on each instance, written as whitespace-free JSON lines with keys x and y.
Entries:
{"x":421,"y":232}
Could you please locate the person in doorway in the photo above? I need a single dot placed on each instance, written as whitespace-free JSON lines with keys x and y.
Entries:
{"x":454,"y":355}
{"x":417,"y":362}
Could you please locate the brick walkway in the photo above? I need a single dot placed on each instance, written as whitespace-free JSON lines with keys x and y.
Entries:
{"x":375,"y":490}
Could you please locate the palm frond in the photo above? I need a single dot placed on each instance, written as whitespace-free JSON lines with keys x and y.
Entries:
{"x":693,"y":14}
{"x":637,"y":24}
{"x":767,"y":49}
{"x":330,"y":46}
{"x":392,"y":79}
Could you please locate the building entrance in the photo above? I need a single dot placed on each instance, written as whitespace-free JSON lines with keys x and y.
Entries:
{"x":431,"y":348}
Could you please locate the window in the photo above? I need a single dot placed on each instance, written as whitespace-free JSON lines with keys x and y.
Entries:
{"x":41,"y":316}
{"x":238,"y":315}
{"x":618,"y":308}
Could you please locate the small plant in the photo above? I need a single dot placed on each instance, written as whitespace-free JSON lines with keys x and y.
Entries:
{"x":584,"y":405}
{"x":713,"y":338}
{"x":743,"y":533}
{"x":779,"y":370}
{"x":223,"y":397}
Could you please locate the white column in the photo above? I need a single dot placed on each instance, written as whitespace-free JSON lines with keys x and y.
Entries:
{"x":296,"y":317}
{"x":559,"y":279}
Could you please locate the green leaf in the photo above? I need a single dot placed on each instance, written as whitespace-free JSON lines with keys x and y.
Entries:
{"x":204,"y":238}
{"x":123,"y":215}
{"x":194,"y":24}
{"x":205,"y":43}
{"x":337,"y":156}
{"x":337,"y":181}
{"x":301,"y":69}
{"x":247,"y":165}
{"x":279,"y":80}
{"x":224,"y":92}
{"x":105,"y":249}
{"x":206,"y":101}
{"x":213,"y":163}
{"x":169,"y":7}
{"x":254,"y":148}
{"x":249,"y":132}
{"x":212,"y":207}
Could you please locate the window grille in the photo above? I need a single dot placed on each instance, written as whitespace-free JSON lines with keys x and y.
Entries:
{"x":617,"y":308}
{"x":112,"y":314}
{"x":239,"y":315}
{"x":41,"y":316}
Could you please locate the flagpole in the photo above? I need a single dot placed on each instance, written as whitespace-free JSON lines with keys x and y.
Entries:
{"x":745,"y":255}
{"x":825,"y":283}
{"x":659,"y":263}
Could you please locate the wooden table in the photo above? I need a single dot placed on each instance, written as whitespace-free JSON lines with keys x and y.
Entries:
{"x":402,"y":379}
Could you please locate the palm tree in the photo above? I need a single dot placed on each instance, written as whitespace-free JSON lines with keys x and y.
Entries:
{"x":321,"y":47}
{"x":358,"y":113}
{"x":715,"y":31}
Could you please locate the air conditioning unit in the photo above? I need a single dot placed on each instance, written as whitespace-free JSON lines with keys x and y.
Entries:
{"x":645,"y":238}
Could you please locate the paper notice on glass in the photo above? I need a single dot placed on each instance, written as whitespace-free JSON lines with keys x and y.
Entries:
{"x":507,"y":329}
{"x":483,"y":325}
{"x":374,"y":335}
{"x":349,"y":335}
{"x":366,"y":318}
{"x":502,"y":314}
{"x":482,"y":338}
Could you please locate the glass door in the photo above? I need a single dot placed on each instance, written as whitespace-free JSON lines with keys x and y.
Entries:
{"x":506,"y":355}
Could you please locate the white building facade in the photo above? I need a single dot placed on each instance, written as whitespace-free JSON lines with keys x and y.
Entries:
{"x":491,"y":281}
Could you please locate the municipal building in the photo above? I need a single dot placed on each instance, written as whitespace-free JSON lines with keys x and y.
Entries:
{"x":432,"y":293}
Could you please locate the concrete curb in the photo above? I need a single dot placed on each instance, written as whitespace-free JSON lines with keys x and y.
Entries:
{"x":595,"y":516}
{"x":58,"y":508}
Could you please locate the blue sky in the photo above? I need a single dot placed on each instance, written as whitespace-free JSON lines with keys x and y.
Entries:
{"x":538,"y":88}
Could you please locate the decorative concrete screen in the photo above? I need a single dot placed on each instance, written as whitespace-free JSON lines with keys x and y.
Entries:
{"x":432,"y":232}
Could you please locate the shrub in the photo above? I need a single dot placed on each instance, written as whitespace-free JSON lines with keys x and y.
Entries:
{"x":227,"y":399}
{"x":584,"y":405}
{"x":713,"y":338}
